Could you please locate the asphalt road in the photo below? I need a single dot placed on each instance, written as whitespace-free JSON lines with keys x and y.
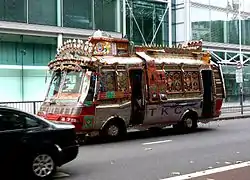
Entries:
{"x":146,"y":156}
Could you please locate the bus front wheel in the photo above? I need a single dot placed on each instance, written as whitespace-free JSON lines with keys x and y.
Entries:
{"x":114,"y":130}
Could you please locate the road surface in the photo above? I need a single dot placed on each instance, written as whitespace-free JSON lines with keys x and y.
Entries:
{"x":145,"y":156}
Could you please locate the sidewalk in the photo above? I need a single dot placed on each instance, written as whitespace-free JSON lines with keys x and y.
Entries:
{"x":239,"y":171}
{"x":233,"y":115}
{"x":242,"y":173}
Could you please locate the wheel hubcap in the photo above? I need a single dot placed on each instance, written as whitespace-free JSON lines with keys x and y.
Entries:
{"x":43,"y":165}
{"x":189,"y":122}
{"x":113,"y":130}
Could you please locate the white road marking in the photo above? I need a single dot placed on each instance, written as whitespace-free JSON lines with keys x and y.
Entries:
{"x":156,"y":142}
{"x":148,"y":149}
{"x":176,"y":173}
{"x":208,"y":172}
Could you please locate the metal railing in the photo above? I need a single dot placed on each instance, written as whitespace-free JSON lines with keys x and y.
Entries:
{"x":27,"y":106}
{"x":33,"y":106}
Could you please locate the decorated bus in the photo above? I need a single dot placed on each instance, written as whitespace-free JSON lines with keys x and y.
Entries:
{"x":106,"y":85}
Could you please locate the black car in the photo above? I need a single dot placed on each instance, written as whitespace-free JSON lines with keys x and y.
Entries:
{"x":30,"y":145}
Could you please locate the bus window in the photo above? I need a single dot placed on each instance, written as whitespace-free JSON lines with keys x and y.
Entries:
{"x":55,"y":84}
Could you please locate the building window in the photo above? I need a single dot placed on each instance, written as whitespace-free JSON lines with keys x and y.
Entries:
{"x":42,"y":12}
{"x":105,"y":14}
{"x":148,"y":15}
{"x":13,"y":10}
{"x":77,"y":14}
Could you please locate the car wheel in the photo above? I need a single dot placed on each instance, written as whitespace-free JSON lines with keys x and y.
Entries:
{"x":43,"y":166}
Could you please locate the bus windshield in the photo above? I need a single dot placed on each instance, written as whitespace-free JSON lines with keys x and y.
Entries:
{"x":71,"y":86}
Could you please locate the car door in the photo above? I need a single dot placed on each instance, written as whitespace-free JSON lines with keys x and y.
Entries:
{"x":11,"y":133}
{"x":34,"y":134}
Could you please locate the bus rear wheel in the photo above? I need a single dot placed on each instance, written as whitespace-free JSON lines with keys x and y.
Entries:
{"x":189,"y":122}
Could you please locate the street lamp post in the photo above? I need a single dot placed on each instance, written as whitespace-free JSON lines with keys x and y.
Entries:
{"x":241,"y":59}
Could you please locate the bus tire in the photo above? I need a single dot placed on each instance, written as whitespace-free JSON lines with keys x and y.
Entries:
{"x":114,"y":129}
{"x":190,"y":121}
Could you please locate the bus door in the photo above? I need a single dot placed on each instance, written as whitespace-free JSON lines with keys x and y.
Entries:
{"x":207,"y":80}
{"x":137,"y":82}
{"x":219,"y":90}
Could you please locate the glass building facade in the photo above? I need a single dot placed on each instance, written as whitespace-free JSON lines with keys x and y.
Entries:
{"x":218,"y":22}
{"x":151,"y":20}
{"x":25,"y":55}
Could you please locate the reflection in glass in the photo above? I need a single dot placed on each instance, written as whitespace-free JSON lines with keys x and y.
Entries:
{"x":72,"y":82}
{"x":148,"y":15}
{"x":54,"y":85}
{"x":42,"y":12}
{"x":105,"y":14}
{"x":217,"y":26}
{"x":13,"y":10}
{"x":77,"y":14}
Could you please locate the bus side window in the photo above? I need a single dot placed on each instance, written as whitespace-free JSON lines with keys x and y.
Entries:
{"x":153,"y":87}
{"x":162,"y":88}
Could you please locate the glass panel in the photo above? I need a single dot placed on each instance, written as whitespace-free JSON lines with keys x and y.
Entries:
{"x":218,"y":23}
{"x":216,"y":26}
{"x":233,"y":29}
{"x":91,"y":91}
{"x":122,"y":79}
{"x":200,"y":24}
{"x":77,"y":14}
{"x":13,"y":10}
{"x":42,"y":12}
{"x":148,"y":16}
{"x":232,"y":88}
{"x":105,"y":14}
{"x":246,"y":85}
{"x":11,"y":79}
{"x":10,"y":121}
{"x":86,"y":88}
{"x":32,"y":123}
{"x":72,"y":82}
{"x":55,"y":85}
{"x":107,"y":81}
